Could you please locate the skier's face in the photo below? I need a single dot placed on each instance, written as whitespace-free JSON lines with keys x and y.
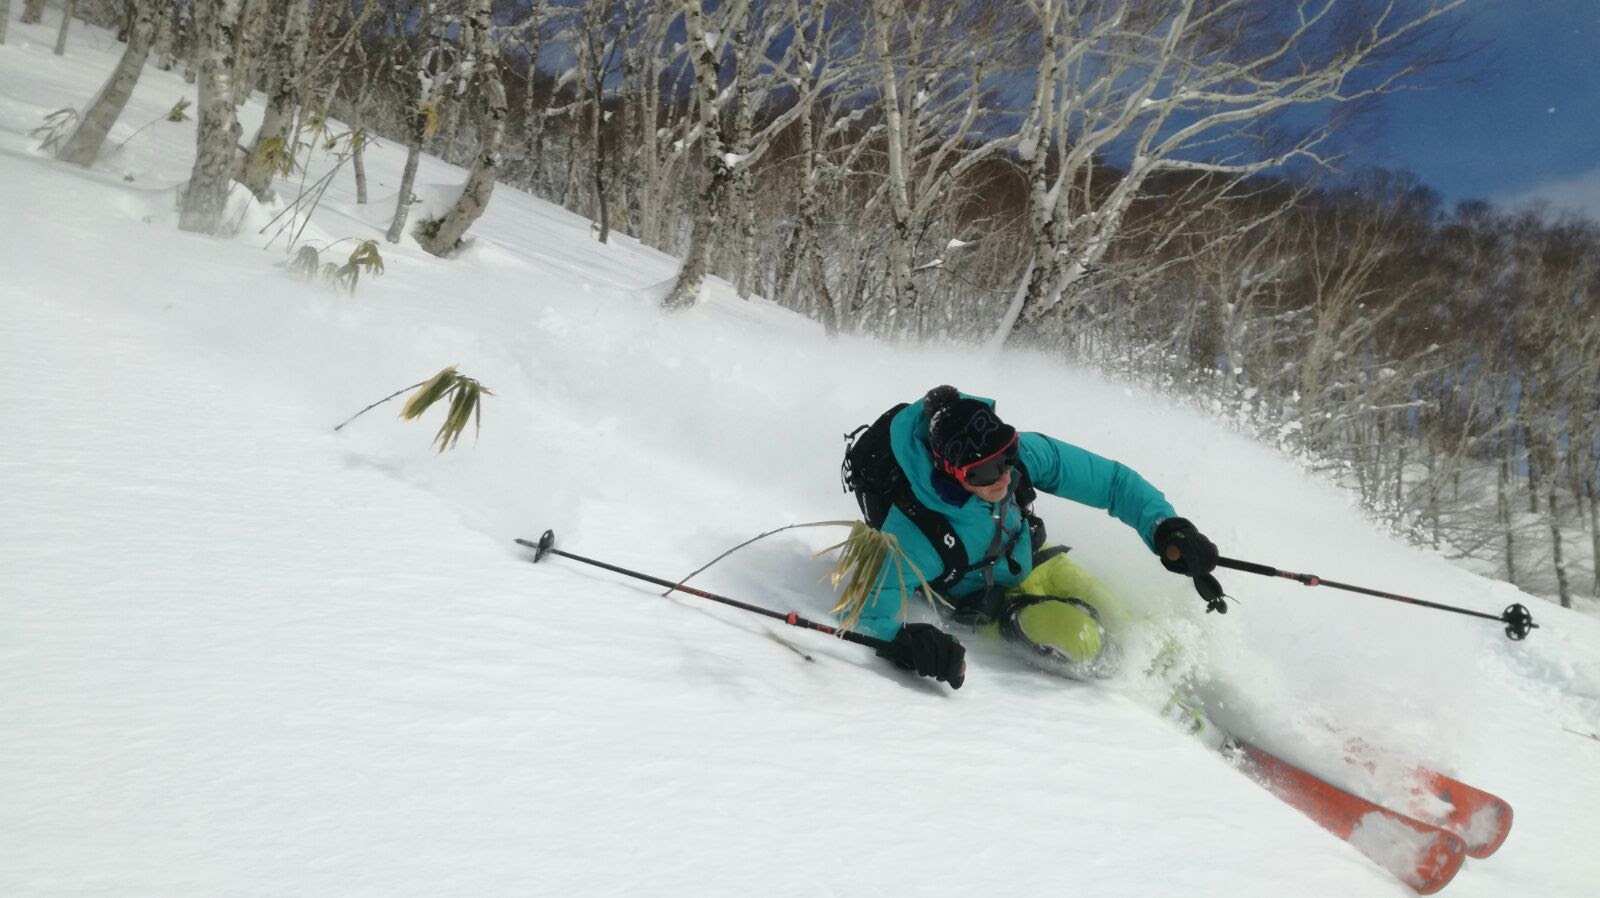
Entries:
{"x":994,"y":492}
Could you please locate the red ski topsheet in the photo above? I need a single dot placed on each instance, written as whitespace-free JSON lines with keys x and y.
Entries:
{"x":1423,"y":856}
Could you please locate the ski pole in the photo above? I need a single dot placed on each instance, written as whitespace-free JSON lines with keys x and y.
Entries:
{"x":1518,"y":620}
{"x":546,"y":546}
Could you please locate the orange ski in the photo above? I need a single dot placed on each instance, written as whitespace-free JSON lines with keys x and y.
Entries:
{"x":1481,"y":819}
{"x":1423,"y":856}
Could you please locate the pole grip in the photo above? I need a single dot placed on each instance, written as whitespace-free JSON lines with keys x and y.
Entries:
{"x":871,"y":642}
{"x":1249,"y":567}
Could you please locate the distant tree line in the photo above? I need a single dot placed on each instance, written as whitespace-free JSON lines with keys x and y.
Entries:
{"x":1120,"y":181}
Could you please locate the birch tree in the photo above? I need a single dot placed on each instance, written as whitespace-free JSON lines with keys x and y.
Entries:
{"x":442,"y":236}
{"x":83,"y":146}
{"x":533,"y":123}
{"x":68,"y":9}
{"x":933,"y":63}
{"x":659,"y":156}
{"x":642,"y":63}
{"x":250,"y":37}
{"x":771,"y":63}
{"x":167,"y":25}
{"x":816,"y":40}
{"x":273,"y":147}
{"x":603,"y":26}
{"x":205,"y":198}
{"x":706,"y":50}
{"x":1172,"y":82}
{"x":428,"y":76}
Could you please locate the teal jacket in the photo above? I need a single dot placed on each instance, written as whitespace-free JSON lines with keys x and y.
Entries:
{"x":1058,"y":468}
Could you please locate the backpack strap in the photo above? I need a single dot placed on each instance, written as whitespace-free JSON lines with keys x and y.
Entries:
{"x":936,"y":527}
{"x":1026,"y":493}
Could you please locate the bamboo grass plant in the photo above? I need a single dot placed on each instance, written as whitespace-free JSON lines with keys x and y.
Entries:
{"x":860,"y":566}
{"x":862,"y":556}
{"x":466,"y":404}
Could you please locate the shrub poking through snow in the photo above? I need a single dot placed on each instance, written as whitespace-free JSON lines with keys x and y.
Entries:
{"x":307,"y":265}
{"x":466,"y":404}
{"x":57,"y":125}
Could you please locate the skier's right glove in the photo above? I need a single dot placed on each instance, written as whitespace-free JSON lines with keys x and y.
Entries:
{"x":1185,"y":550}
{"x":930,"y":652}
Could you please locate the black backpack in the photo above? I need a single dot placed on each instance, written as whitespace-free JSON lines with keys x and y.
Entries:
{"x":871,"y":471}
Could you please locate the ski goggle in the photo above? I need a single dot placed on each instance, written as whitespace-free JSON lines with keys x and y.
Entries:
{"x":986,"y":471}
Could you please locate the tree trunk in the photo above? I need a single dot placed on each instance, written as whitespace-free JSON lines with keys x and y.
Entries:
{"x":1533,"y":473}
{"x":1556,"y":559}
{"x":1594,"y":527}
{"x":5,"y":18}
{"x":90,"y":134}
{"x":572,"y":192}
{"x":597,"y":134}
{"x":408,"y":180}
{"x":449,"y":131}
{"x":808,"y":242}
{"x":184,"y":40}
{"x":358,"y":162}
{"x":900,"y":262}
{"x":166,"y":37}
{"x":253,"y":22}
{"x":273,"y":144}
{"x":1400,"y":474}
{"x":744,"y":242}
{"x":532,"y":115}
{"x":32,"y":12}
{"x":633,"y":112}
{"x":1502,"y":495}
{"x":705,"y":53}
{"x":745,"y":255}
{"x":68,"y":7}
{"x":443,"y":237}
{"x":652,"y":197}
{"x":217,"y":137}
{"x":708,"y":216}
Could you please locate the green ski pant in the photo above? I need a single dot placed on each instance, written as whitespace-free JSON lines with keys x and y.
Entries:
{"x":1061,"y":606}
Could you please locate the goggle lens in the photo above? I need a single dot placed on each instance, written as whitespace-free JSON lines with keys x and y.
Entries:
{"x":987,"y":471}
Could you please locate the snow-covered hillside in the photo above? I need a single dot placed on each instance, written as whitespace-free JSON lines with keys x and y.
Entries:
{"x":241,"y":654}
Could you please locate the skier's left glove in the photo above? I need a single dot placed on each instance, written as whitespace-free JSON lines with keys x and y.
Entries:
{"x":1185,"y":550}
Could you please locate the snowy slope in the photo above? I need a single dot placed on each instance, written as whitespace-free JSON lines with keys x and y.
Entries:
{"x":241,"y":654}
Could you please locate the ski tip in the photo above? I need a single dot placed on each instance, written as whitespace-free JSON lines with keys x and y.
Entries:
{"x":1499,"y":816}
{"x":1438,"y":864}
{"x":1481,"y":818}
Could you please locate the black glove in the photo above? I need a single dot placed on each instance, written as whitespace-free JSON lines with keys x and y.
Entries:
{"x":1185,"y":550}
{"x":930,"y":652}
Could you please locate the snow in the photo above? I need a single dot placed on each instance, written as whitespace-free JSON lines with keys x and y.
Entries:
{"x":1392,"y":844}
{"x":241,"y":654}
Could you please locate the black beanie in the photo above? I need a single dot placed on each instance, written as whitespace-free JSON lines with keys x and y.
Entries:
{"x":963,"y":430}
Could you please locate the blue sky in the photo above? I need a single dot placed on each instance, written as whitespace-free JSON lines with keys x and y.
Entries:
{"x":1520,"y":120}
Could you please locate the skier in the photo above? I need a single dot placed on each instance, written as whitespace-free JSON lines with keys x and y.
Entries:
{"x":954,"y":486}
